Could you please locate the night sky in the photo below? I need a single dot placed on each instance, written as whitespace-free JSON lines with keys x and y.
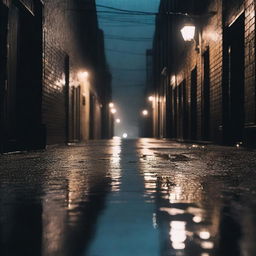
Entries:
{"x":126,"y":39}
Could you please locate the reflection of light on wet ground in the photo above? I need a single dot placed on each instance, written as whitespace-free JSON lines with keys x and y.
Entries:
{"x":207,"y":245}
{"x":172,"y":211}
{"x":204,"y":235}
{"x":178,"y":234}
{"x":197,"y":219}
{"x":150,"y":180}
{"x":154,"y":220}
{"x":115,"y":169}
{"x":76,"y":187}
{"x":180,"y":195}
{"x":184,"y":189}
{"x":205,"y":254}
{"x":128,"y":224}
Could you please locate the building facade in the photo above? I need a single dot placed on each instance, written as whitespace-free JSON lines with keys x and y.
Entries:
{"x":54,"y":80}
{"x":205,"y":89}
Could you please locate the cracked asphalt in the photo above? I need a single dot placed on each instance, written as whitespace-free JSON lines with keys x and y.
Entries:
{"x":129,"y":197}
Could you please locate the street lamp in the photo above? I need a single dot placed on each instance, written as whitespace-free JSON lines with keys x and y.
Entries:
{"x":113,"y":111}
{"x":111,"y":104}
{"x":188,"y":32}
{"x":151,"y":98}
{"x":118,"y":121}
{"x":125,"y":135}
{"x":144,"y":112}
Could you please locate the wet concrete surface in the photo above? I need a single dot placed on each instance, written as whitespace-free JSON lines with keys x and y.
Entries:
{"x":129,"y":197}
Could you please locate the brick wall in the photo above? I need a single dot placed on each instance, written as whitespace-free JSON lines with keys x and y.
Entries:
{"x":53,"y":107}
{"x":69,"y":30}
{"x":211,"y":37}
{"x":249,"y":7}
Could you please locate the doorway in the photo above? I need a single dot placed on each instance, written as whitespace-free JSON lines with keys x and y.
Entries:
{"x":184,"y":110}
{"x":193,"y":106}
{"x":206,"y":97}
{"x":233,"y":112}
{"x":21,"y":103}
{"x":3,"y":69}
{"x":75,"y":114}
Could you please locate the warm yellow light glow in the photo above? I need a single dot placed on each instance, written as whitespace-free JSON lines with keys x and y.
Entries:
{"x":144,"y":112}
{"x":172,"y":211}
{"x":204,"y":235}
{"x":178,"y":225}
{"x":178,"y":234}
{"x":150,"y":98}
{"x":207,"y":245}
{"x":173,"y":80}
{"x":197,"y":219}
{"x":178,"y":246}
{"x":111,"y":104}
{"x":113,"y":110}
{"x":83,"y":75}
{"x":188,"y":32}
{"x":118,"y":121}
{"x":125,"y":135}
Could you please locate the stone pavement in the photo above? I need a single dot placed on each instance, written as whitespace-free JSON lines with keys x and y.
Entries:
{"x":129,"y":197}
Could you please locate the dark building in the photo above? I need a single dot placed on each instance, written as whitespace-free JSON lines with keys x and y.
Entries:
{"x":54,"y":80}
{"x":21,"y":75}
{"x":205,"y":88}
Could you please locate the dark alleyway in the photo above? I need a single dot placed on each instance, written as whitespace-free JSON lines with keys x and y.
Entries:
{"x":128,"y":197}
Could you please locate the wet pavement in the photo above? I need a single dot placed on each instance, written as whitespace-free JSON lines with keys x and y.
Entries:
{"x":129,"y":197}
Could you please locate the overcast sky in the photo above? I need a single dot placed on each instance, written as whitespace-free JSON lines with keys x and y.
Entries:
{"x":126,"y":39}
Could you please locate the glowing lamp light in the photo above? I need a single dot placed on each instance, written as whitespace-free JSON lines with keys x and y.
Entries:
{"x":144,"y":112}
{"x":83,"y":75}
{"x":113,"y":110}
{"x":118,"y":121}
{"x":204,"y":235}
{"x":188,"y":32}
{"x":111,"y":104}
{"x":125,"y":135}
{"x":197,"y":219}
{"x":150,"y":98}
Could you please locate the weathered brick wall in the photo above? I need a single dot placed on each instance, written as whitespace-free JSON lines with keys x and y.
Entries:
{"x":53,"y":107}
{"x":213,"y":37}
{"x":249,"y":6}
{"x":210,"y":37}
{"x":70,"y":28}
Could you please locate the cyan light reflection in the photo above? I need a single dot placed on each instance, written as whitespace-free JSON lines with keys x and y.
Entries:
{"x":154,"y":220}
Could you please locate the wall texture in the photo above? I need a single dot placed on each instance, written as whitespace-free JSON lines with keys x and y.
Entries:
{"x":209,"y":56}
